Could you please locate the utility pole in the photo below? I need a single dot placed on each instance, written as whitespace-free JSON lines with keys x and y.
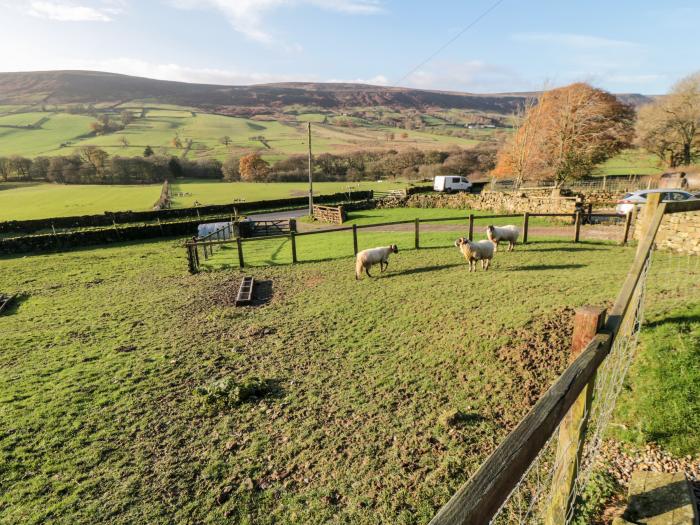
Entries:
{"x":311,"y":182}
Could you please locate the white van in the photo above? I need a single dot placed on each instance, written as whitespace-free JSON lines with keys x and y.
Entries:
{"x":450,"y":183}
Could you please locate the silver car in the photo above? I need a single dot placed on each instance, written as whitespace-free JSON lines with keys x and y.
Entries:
{"x":637,"y":198}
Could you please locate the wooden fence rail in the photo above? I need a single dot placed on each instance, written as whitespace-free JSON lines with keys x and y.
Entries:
{"x":207,"y":243}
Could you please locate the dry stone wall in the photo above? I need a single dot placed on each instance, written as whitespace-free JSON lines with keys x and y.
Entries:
{"x":501,"y":202}
{"x":679,"y":232}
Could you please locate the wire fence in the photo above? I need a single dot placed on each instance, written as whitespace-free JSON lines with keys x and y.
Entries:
{"x":533,"y":501}
{"x":613,"y":184}
{"x":540,"y":471}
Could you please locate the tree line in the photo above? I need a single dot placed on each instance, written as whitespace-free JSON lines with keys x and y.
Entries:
{"x":565,"y":133}
{"x":93,"y":165}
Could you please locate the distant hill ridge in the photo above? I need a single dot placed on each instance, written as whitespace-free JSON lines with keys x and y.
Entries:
{"x":94,"y":87}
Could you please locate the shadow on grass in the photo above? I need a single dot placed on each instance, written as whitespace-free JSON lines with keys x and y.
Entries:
{"x":542,"y":267}
{"x":421,"y":269}
{"x":678,"y":319}
{"x":262,"y":293}
{"x":562,"y":249}
{"x":13,"y":304}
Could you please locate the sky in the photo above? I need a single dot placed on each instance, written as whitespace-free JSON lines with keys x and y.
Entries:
{"x":461,"y":45}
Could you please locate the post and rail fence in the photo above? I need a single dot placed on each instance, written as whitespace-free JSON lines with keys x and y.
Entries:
{"x":208,"y":244}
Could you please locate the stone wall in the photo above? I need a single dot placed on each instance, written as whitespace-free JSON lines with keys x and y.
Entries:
{"x":539,"y":201}
{"x":679,"y":232}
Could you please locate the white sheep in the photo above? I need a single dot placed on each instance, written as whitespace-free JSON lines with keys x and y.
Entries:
{"x":508,"y":233}
{"x":367,"y":258}
{"x":476,"y":251}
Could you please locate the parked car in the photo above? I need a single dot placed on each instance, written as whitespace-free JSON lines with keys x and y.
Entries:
{"x":637,"y":198}
{"x":450,"y":183}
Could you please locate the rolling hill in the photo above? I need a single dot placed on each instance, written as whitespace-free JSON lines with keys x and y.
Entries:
{"x":60,"y":87}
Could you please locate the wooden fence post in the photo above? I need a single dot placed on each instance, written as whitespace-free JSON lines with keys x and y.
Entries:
{"x":196,"y":252}
{"x":190,"y":258}
{"x":628,"y":224}
{"x":471,"y":227}
{"x":239,"y":245}
{"x":354,"y":238}
{"x":572,"y":429}
{"x":417,"y":234}
{"x":293,"y":238}
{"x":526,"y":223}
{"x":648,"y":212}
{"x":577,"y":234}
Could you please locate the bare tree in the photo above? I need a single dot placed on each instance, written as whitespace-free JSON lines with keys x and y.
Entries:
{"x":670,"y":126}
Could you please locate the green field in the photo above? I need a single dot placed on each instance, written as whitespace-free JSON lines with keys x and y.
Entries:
{"x":20,"y":201}
{"x":134,"y":392}
{"x":62,"y":133}
{"x":226,"y":192}
{"x":631,"y":162}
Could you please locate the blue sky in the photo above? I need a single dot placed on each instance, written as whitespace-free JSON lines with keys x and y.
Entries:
{"x":623,"y":46}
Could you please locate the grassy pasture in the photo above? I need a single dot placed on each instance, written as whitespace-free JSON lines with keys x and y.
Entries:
{"x":225,"y":192}
{"x":630,"y":162}
{"x":381,"y":396}
{"x":22,"y":119}
{"x":59,"y":129}
{"x":162,"y":122}
{"x":39,"y":200}
{"x":19,"y":201}
{"x":29,"y":201}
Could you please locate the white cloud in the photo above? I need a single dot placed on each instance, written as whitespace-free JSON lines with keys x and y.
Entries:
{"x":71,"y":12}
{"x":572,"y":40}
{"x":377,"y":80}
{"x":247,"y":16}
{"x":161,"y":71}
{"x":473,"y":76}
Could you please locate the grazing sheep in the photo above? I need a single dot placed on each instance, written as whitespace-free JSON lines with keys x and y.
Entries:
{"x":508,"y":233}
{"x":367,"y":258}
{"x":476,"y":251}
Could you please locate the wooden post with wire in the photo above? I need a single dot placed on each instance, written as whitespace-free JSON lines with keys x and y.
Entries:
{"x":572,"y":429}
{"x":471,"y":227}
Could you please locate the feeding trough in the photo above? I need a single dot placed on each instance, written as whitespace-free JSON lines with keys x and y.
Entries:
{"x":245,"y":292}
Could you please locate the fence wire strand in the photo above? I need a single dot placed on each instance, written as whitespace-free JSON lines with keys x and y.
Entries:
{"x":529,"y":501}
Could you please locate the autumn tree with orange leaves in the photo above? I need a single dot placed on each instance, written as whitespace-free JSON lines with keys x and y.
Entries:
{"x":564,"y":134}
{"x":253,"y":168}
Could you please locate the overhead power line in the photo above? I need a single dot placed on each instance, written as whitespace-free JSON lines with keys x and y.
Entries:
{"x":450,"y":41}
